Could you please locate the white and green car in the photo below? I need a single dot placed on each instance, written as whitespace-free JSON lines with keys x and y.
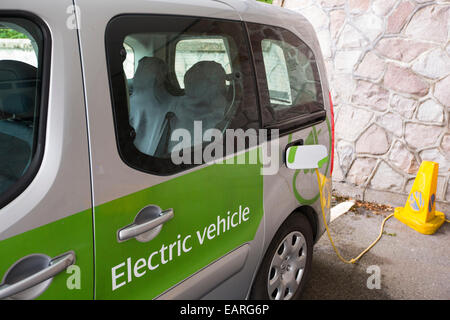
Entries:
{"x":148,"y":149}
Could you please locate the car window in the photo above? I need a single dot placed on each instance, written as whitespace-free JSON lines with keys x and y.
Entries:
{"x":191,"y":75}
{"x":287,"y":74}
{"x":21,"y":66}
{"x":128,"y":64}
{"x":191,"y":51}
{"x":276,"y":73}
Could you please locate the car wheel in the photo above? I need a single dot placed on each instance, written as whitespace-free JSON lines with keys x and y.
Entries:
{"x":287,"y":262}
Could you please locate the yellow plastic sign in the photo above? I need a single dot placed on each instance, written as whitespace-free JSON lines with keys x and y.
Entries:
{"x":419,"y":211}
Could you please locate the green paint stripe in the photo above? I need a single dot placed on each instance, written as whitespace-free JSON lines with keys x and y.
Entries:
{"x":323,"y":161}
{"x":72,"y":233}
{"x":292,"y":153}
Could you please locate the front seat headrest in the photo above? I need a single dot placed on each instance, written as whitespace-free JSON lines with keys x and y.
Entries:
{"x":12,"y":70}
{"x":17,"y":76}
{"x":151,"y":72}
{"x":18,"y":104}
{"x":203,"y":78}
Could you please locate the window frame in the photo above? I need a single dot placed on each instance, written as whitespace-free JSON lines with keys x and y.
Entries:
{"x":44,"y":65}
{"x":293,"y":124}
{"x":153,"y":165}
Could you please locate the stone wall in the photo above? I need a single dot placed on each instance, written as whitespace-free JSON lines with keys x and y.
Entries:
{"x":388,"y":64}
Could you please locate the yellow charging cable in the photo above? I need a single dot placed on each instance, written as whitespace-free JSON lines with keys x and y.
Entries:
{"x":321,"y":182}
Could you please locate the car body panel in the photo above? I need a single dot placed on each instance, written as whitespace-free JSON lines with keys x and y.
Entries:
{"x":81,"y":148}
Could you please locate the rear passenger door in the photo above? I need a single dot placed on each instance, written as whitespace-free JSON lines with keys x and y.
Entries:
{"x":294,"y":99}
{"x":171,"y":222}
{"x":46,"y":242}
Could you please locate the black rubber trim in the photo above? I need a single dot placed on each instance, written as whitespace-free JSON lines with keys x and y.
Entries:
{"x":253,"y":62}
{"x":45,"y":61}
{"x":298,"y":123}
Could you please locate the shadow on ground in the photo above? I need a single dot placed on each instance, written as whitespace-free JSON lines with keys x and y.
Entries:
{"x":412,"y":265}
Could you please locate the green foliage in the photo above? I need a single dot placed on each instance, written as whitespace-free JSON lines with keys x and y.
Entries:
{"x":11,"y":34}
{"x":266,"y":1}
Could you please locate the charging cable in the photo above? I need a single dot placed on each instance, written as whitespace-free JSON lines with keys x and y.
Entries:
{"x":321,"y":182}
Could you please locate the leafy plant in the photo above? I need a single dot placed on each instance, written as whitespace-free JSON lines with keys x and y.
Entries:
{"x":11,"y":34}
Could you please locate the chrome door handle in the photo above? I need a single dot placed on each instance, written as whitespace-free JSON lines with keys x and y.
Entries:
{"x":146,"y":225}
{"x":55,"y":266}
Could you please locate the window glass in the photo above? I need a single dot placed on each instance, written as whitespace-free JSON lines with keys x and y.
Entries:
{"x":128,"y":64}
{"x":21,"y":46}
{"x":288,"y":77}
{"x":191,"y":75}
{"x":190,"y":51}
{"x":277,"y":73}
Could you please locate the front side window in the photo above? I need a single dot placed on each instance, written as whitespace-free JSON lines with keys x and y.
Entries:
{"x":21,"y":72}
{"x":191,"y":74}
{"x":288,"y":78}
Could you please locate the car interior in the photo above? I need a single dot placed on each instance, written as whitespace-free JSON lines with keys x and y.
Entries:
{"x":171,"y":85}
{"x":18,"y":97}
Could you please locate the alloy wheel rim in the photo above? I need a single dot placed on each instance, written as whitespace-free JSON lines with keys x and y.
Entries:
{"x":287,"y":267}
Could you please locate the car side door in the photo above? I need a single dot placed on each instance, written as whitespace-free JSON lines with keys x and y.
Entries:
{"x":170,"y":227}
{"x":46,"y":242}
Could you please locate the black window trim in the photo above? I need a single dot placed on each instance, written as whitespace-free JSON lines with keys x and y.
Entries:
{"x":291,"y":125}
{"x":20,"y":185}
{"x":298,"y":123}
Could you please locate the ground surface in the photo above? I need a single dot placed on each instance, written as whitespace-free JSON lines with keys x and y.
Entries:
{"x":412,"y":265}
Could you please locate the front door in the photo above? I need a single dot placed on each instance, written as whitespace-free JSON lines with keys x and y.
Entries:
{"x":46,"y":242}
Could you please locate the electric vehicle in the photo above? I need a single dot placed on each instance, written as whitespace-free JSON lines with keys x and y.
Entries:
{"x":128,"y":137}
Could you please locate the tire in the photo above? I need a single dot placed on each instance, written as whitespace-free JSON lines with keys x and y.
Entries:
{"x":287,"y":262}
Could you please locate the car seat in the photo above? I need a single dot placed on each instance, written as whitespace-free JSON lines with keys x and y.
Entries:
{"x":149,"y":103}
{"x":205,"y":100}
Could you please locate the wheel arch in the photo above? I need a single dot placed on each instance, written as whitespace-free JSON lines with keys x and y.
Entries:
{"x":312,"y":217}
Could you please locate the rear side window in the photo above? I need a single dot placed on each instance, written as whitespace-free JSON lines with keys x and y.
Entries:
{"x":191,"y":74}
{"x":21,"y":92}
{"x":277,"y":73}
{"x":288,"y":78}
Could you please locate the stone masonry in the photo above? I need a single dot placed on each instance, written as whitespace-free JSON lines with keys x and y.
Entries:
{"x":388,"y":63}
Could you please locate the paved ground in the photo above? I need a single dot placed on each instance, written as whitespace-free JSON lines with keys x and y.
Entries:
{"x":412,"y":265}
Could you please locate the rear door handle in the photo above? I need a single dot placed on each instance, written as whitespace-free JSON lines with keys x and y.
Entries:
{"x":55,"y":266}
{"x":146,"y":225}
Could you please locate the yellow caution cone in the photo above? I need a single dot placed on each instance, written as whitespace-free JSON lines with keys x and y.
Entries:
{"x":419,"y":211}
